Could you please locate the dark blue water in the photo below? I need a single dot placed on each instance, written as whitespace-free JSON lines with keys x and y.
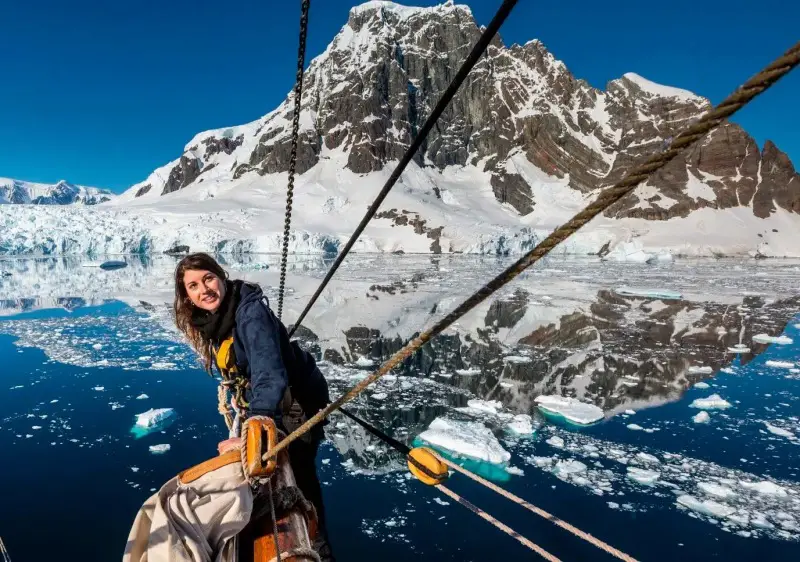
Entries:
{"x":73,"y":479}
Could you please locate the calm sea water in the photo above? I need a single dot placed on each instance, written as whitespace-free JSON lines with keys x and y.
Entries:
{"x":74,"y":473}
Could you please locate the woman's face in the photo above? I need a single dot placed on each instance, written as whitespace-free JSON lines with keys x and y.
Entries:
{"x":204,"y":289}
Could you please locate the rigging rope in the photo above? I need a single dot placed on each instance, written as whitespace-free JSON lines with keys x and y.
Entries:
{"x":405,"y":450}
{"x":478,"y":50}
{"x":730,"y":105}
{"x":298,"y":98}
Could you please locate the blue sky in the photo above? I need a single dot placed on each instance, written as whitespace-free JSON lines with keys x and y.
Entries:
{"x":101,"y":93}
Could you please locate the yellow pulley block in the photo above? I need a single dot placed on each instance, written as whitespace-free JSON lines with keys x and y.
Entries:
{"x":426,"y":466}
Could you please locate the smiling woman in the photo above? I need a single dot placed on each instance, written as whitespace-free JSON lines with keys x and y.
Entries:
{"x":231,"y":320}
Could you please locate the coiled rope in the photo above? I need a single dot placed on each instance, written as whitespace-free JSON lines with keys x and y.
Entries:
{"x":478,"y":50}
{"x":738,"y":99}
{"x":298,"y":98}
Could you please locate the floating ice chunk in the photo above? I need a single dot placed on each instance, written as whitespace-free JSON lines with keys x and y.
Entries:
{"x":646,"y":457}
{"x":779,"y":364}
{"x":142,"y":397}
{"x":701,"y":385}
{"x":162,"y":366}
{"x":701,"y":417}
{"x":159,"y":449}
{"x":134,"y":469}
{"x":54,"y":401}
{"x":521,"y":425}
{"x":717,"y":490}
{"x":713,"y":402}
{"x":630,"y":412}
{"x":115,"y":405}
{"x":569,"y":408}
{"x":440,"y":501}
{"x":779,"y":431}
{"x":568,"y":468}
{"x":780,"y":340}
{"x":517,"y":359}
{"x":706,"y":507}
{"x":635,"y":427}
{"x":36,"y":427}
{"x":766,"y":488}
{"x":97,"y":346}
{"x":468,"y":372}
{"x":99,"y":388}
{"x":153,"y":416}
{"x":364,"y":362}
{"x":379,"y":396}
{"x":649,"y":293}
{"x":468,"y":439}
{"x":555,"y":441}
{"x":515,"y":471}
{"x":643,"y":476}
{"x":504,"y":384}
{"x":698,"y":370}
{"x":739,"y":349}
{"x":486,"y":406}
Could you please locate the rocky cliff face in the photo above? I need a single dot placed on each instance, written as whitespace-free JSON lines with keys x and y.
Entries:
{"x":369,"y":93}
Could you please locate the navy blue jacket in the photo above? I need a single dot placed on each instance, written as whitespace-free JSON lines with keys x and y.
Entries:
{"x":271,"y":361}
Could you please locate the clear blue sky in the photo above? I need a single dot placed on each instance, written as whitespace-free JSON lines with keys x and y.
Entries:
{"x":101,"y":93}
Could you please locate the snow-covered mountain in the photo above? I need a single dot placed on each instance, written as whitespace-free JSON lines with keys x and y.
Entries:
{"x":61,"y":193}
{"x":522,"y":147}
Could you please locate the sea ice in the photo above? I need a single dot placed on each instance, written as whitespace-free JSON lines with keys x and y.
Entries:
{"x":718,"y":490}
{"x":713,"y":402}
{"x":780,"y":340}
{"x":635,"y":427}
{"x":702,"y":385}
{"x":485,"y":406}
{"x":465,"y":438}
{"x":779,"y":431}
{"x":643,"y":476}
{"x":159,"y":449}
{"x":142,"y":397}
{"x":706,"y":507}
{"x":701,"y":417}
{"x":555,"y":441}
{"x":697,"y":370}
{"x":630,"y":412}
{"x":99,"y":388}
{"x":521,"y":425}
{"x":153,"y":416}
{"x":779,"y":364}
{"x":766,"y":488}
{"x":739,"y":349}
{"x":571,"y":409}
{"x":97,"y":346}
{"x":364,"y":362}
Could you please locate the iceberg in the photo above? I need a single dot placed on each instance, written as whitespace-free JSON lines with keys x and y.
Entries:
{"x":465,"y":438}
{"x":702,"y":385}
{"x":159,"y":449}
{"x":570,"y":409}
{"x":153,"y":416}
{"x":701,"y":417}
{"x":780,"y":340}
{"x":713,"y":402}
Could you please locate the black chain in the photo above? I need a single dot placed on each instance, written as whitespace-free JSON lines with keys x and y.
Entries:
{"x":298,"y":98}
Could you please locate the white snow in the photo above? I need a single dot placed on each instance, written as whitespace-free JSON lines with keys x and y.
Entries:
{"x":153,"y":416}
{"x":464,"y":438}
{"x":713,"y":402}
{"x":659,"y":89}
{"x":780,"y":340}
{"x":701,"y":417}
{"x":159,"y":449}
{"x":570,"y":408}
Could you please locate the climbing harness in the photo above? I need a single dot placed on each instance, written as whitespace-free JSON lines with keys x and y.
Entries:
{"x":480,"y":47}
{"x":298,"y":98}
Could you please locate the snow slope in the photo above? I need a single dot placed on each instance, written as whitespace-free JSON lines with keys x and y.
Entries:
{"x":61,"y":193}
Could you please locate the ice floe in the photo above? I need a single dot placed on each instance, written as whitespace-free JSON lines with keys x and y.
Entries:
{"x":159,"y":449}
{"x":701,"y":417}
{"x":713,"y":402}
{"x":780,"y":340}
{"x":700,"y":370}
{"x":569,"y":408}
{"x":522,"y":424}
{"x":465,"y":438}
{"x":153,"y":416}
{"x":775,"y":430}
{"x":702,"y":385}
{"x":643,"y":475}
{"x":779,"y":364}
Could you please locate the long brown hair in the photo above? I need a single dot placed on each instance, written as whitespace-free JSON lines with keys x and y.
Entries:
{"x":183,"y":307}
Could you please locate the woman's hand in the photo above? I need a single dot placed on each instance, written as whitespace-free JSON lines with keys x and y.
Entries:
{"x":229,"y":444}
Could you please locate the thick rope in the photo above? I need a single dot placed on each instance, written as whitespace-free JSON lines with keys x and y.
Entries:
{"x":222,"y":406}
{"x":298,"y":98}
{"x":274,"y":521}
{"x":538,"y":511}
{"x":422,"y":134}
{"x":499,"y":524}
{"x":683,"y":141}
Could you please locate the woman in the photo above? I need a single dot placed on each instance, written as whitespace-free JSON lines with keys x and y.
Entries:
{"x":278,"y":378}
